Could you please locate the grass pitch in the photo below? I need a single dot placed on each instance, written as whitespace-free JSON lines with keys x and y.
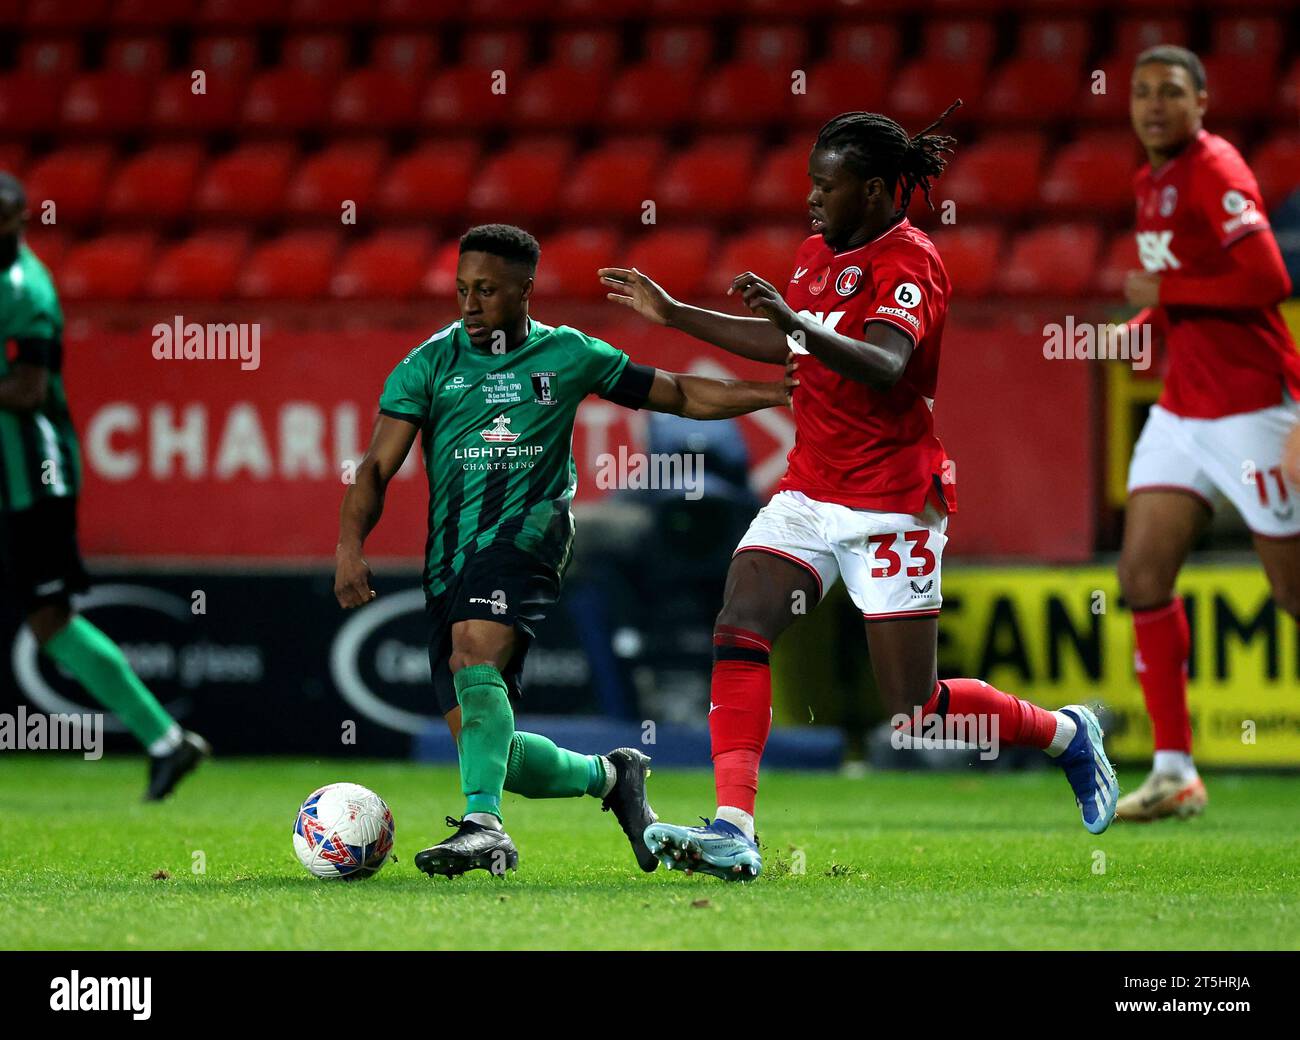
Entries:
{"x":892,"y":861}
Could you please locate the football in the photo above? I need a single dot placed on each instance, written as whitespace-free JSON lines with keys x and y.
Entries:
{"x":343,"y":831}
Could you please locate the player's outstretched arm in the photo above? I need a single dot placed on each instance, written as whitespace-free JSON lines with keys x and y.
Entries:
{"x":746,"y":337}
{"x":700,"y":397}
{"x":878,"y":359}
{"x":363,"y":504}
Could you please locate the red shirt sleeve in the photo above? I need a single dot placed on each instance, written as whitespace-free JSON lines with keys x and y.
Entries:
{"x":904,"y":293}
{"x":1257,"y":278}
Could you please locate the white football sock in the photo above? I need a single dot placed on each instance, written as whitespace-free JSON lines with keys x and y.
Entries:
{"x":1066,"y":728}
{"x":167,"y":743}
{"x":737,"y":818}
{"x":484,"y":819}
{"x":1175,"y":763}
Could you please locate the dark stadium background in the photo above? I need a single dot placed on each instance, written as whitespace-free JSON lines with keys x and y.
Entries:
{"x":234,"y":205}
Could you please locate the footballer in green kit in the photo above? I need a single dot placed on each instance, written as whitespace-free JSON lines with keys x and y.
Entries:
{"x":494,"y":396}
{"x":40,"y":479}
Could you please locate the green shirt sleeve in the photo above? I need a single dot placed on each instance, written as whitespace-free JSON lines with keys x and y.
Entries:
{"x":407,"y":392}
{"x":604,"y":365}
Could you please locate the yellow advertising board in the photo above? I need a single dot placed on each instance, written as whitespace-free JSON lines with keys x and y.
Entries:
{"x":1060,"y":635}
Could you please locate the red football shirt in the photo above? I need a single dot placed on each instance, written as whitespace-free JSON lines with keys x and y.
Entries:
{"x":1190,"y":212}
{"x":854,"y":445}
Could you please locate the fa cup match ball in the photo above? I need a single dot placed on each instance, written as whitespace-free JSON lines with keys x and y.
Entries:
{"x":343,"y":831}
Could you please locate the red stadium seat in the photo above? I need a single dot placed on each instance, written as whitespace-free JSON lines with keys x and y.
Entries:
{"x":432,"y":181}
{"x":587,"y":12}
{"x":971,"y":255}
{"x":74,"y":179}
{"x":462,"y":99}
{"x":745,"y":94}
{"x":231,"y":58}
{"x":524,"y":180}
{"x":650,"y":96}
{"x":925,"y":88}
{"x":505,"y":49}
{"x":569,"y":263}
{"x":710,"y":179}
{"x":999,"y":174}
{"x":558,"y":97}
{"x":781,"y":46}
{"x":836,"y":85}
{"x":679,"y":259}
{"x":1093,"y":174}
{"x":330,"y":12}
{"x":155,"y":185}
{"x":779,"y":8}
{"x":106,"y":103}
{"x":874,"y":44}
{"x":1135,"y":34}
{"x":295,"y":266}
{"x":1276,"y":164}
{"x":111,"y":267}
{"x":968,"y":41}
{"x":137,"y":55}
{"x":287,"y":99}
{"x":596,"y":50}
{"x":29,"y":102}
{"x":767,"y":251}
{"x":1241,"y":87}
{"x":58,"y":14}
{"x":665,"y":10}
{"x":684,"y":47}
{"x":247,"y":183}
{"x":321,"y":54}
{"x":50,"y":56}
{"x":177,"y":108}
{"x":1056,"y":260}
{"x":1065,"y":40}
{"x":440,"y":278}
{"x":242,"y":14}
{"x":413,"y":12}
{"x":13,"y":157}
{"x":376,"y":99}
{"x":152,"y":14}
{"x":386,"y":266}
{"x":202,"y":267}
{"x":1120,"y":257}
{"x":411,"y":54}
{"x":50,"y":244}
{"x":613,"y":180}
{"x":780,"y":188}
{"x":1030,"y":90}
{"x":1250,"y":37}
{"x":346,"y":172}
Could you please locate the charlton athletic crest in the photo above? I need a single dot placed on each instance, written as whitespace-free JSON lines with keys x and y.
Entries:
{"x":544,"y":387}
{"x":847,"y":283}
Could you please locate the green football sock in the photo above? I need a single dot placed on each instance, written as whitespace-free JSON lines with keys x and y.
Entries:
{"x":539,"y":769}
{"x":99,"y":665}
{"x":486,"y":726}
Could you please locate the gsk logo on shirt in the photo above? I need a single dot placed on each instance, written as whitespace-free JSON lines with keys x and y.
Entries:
{"x":828,"y":320}
{"x":1155,"y":251}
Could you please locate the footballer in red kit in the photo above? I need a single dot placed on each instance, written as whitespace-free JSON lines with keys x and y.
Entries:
{"x":868,"y":491}
{"x":1211,"y":283}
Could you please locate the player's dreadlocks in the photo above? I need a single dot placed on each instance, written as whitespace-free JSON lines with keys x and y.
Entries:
{"x":873,"y":145}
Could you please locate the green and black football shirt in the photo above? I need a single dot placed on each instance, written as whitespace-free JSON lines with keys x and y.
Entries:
{"x":497,"y":437}
{"x":39,"y":456}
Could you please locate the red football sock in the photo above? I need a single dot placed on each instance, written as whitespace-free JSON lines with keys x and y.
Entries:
{"x":740,"y":713}
{"x":1163,"y":642}
{"x":1019,"y":721}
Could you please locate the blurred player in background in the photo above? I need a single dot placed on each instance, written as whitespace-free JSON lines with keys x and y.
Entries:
{"x":868,"y":490}
{"x":494,"y":396}
{"x":40,"y":477}
{"x":1212,"y":283}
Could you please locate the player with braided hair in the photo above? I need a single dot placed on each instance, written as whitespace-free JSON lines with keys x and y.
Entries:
{"x":868,"y":490}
